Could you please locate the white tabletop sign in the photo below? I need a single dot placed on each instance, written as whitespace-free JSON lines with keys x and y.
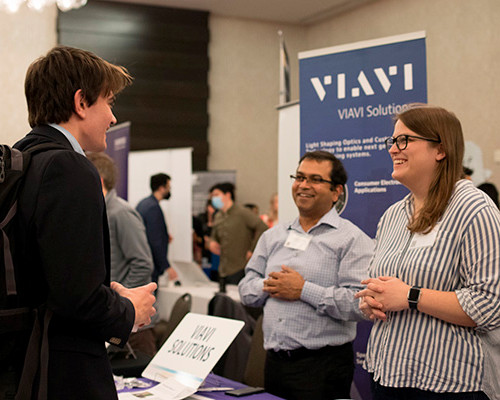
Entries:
{"x":189,"y":354}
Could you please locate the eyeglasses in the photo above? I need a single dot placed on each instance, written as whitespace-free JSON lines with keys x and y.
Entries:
{"x":402,"y":141}
{"x":313,"y":180}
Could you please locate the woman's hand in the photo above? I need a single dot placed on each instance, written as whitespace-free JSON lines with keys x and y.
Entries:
{"x":388,"y":294}
{"x":371,"y":308}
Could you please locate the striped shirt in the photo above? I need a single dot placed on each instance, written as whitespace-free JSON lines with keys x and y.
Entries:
{"x":461,"y":254}
{"x":333,"y":265}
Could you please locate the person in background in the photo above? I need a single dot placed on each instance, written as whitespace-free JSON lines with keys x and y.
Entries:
{"x":156,"y":227}
{"x":468,"y":173}
{"x":131,"y":259}
{"x":434,"y":283}
{"x":271,"y":218}
{"x":234,"y":233}
{"x":207,"y":219}
{"x":202,"y":228}
{"x":252,"y":207}
{"x":63,"y":254}
{"x":305,"y":275}
{"x":491,"y":190}
{"x":198,"y":242}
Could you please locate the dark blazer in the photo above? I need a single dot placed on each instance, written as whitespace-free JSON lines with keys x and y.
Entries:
{"x":65,"y":262}
{"x":156,"y":232}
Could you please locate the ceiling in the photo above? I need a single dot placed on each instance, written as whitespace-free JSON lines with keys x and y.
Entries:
{"x":302,"y":12}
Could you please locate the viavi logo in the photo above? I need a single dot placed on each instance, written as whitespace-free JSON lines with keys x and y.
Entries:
{"x":364,"y":84}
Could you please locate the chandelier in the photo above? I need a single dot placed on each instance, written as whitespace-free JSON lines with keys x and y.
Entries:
{"x":13,"y":6}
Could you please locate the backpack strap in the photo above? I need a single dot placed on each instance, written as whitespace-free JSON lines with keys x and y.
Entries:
{"x":16,"y":160}
{"x":10,"y":280}
{"x":16,"y":163}
{"x":36,"y":359}
{"x":38,"y":148}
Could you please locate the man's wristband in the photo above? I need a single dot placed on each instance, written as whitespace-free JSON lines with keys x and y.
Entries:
{"x":413,"y":297}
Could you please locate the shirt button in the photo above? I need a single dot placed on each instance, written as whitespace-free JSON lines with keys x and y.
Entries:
{"x":280,"y":320}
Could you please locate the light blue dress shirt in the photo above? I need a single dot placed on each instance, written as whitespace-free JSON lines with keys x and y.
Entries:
{"x":74,"y":143}
{"x":333,"y":265}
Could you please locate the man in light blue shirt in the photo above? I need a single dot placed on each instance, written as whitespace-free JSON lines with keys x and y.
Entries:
{"x":305,"y":275}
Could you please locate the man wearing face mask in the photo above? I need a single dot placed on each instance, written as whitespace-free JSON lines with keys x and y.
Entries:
{"x":156,"y":227}
{"x":234,"y":234}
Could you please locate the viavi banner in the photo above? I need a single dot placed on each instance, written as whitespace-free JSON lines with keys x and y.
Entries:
{"x":348,"y":95}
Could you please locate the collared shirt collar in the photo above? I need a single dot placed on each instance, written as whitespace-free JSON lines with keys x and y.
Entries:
{"x":74,"y":143}
{"x":111,"y":195}
{"x":330,"y":218}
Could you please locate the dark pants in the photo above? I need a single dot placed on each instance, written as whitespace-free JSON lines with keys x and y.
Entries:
{"x":310,"y":374}
{"x":380,"y":392}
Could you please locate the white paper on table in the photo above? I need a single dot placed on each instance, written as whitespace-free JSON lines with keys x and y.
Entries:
{"x":170,"y":389}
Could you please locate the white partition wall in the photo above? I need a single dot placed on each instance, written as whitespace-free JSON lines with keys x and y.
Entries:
{"x":288,"y":158}
{"x":177,"y":210}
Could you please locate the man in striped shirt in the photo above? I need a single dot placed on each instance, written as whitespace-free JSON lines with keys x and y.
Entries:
{"x":305,"y":275}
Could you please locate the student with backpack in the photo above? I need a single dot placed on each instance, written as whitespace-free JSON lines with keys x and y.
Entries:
{"x":61,"y":257}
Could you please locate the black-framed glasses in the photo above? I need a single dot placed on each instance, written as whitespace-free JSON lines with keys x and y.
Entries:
{"x":402,"y":141}
{"x":313,"y":180}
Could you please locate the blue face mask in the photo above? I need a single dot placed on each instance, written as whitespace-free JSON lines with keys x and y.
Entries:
{"x":217,"y":202}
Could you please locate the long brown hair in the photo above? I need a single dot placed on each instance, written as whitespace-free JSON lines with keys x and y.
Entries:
{"x":436,"y":123}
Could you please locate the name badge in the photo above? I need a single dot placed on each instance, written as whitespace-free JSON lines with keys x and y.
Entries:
{"x":298,"y":241}
{"x":419,"y":240}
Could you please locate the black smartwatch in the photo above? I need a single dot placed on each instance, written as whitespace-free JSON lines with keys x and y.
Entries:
{"x":413,"y":297}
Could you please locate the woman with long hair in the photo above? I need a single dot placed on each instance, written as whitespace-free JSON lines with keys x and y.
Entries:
{"x":435,"y":274}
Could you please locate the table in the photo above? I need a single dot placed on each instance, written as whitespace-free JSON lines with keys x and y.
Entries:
{"x":201,"y":295}
{"x":213,"y":380}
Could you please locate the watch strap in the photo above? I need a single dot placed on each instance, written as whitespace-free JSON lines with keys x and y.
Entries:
{"x":413,"y":297}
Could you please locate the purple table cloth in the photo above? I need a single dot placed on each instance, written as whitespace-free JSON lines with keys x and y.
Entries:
{"x":216,"y":381}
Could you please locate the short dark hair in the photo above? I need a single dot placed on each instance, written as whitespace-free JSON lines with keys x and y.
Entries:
{"x":467,"y":171}
{"x":105,"y":167}
{"x":338,"y":174}
{"x":491,"y":190}
{"x":158,"y":180}
{"x":52,"y":81}
{"x":224,"y":187}
{"x":252,"y":207}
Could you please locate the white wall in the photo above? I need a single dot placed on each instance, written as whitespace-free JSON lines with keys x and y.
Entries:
{"x":24,"y":37}
{"x":244,"y":89}
{"x":177,"y":210}
{"x":288,"y":158}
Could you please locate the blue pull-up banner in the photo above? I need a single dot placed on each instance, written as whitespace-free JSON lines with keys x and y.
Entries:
{"x":348,"y":95}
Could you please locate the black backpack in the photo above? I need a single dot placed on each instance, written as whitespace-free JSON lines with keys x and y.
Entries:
{"x":22,"y":329}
